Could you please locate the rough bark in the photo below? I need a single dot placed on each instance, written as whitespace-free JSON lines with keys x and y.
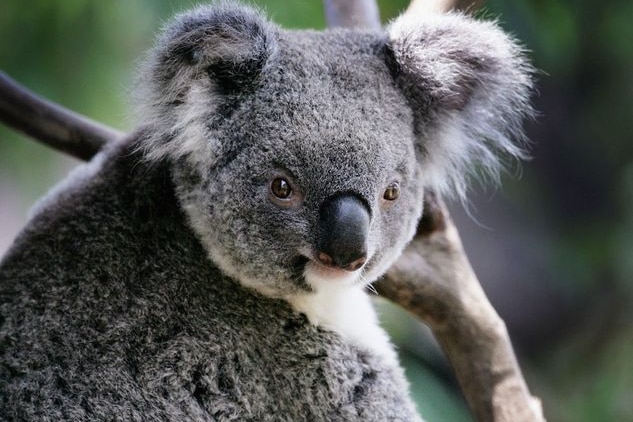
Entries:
{"x":433,"y":279}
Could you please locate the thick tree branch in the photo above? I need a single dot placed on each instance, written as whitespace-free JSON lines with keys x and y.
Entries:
{"x":50,"y":123}
{"x":433,"y":279}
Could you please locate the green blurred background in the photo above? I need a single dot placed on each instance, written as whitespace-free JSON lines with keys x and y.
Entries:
{"x":553,"y":248}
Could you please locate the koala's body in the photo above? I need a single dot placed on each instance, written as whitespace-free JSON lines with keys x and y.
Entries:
{"x":213,"y":266}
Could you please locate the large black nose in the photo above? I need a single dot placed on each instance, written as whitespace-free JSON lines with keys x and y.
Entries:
{"x":343,"y":230}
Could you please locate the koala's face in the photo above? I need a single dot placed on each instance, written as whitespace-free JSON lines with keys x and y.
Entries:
{"x":315,"y":179}
{"x":301,"y":157}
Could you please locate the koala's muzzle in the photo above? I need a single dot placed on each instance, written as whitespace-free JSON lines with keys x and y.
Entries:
{"x":343,"y":232}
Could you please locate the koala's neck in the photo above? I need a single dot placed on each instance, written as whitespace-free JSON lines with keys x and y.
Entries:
{"x":347,"y":311}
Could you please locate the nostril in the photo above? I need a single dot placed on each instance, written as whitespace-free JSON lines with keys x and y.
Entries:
{"x":355,"y":265}
{"x":325,"y":259}
{"x":347,"y":264}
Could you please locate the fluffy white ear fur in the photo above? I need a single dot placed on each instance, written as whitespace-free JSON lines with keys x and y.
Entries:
{"x":184,"y":77}
{"x":469,"y":85}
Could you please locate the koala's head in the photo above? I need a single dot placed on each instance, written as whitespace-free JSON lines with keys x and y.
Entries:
{"x":301,"y":157}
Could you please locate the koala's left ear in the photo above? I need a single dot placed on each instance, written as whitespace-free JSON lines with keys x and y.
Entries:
{"x":468,"y":84}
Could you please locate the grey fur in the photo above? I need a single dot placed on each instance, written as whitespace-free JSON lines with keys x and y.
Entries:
{"x":111,"y":308}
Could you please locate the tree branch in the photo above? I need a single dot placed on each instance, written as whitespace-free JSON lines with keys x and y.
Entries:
{"x":352,"y":13}
{"x":417,"y":7}
{"x":433,"y":279}
{"x":50,"y":123}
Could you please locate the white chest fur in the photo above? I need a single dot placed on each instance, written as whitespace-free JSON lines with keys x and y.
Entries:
{"x":348,"y":311}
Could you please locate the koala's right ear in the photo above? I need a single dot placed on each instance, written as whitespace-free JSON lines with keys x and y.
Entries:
{"x":202,"y":58}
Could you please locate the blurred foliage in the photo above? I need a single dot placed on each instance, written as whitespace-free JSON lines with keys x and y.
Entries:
{"x":578,"y":189}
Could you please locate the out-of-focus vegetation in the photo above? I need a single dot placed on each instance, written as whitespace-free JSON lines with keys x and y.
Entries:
{"x":553,"y":248}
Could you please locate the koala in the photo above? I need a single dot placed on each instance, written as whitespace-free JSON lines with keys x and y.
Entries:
{"x":214,"y":265}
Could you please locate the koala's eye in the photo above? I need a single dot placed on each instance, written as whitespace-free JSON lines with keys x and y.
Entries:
{"x":283,"y":192}
{"x":392,"y":192}
{"x":280,"y":187}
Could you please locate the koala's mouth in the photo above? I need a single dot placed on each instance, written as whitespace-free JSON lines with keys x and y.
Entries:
{"x":317,"y":274}
{"x":312,"y":274}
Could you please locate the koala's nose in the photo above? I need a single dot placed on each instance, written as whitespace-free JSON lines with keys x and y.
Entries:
{"x":343,"y":232}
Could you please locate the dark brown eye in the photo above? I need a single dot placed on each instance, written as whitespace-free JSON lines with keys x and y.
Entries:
{"x":392,"y":192}
{"x":281,"y":188}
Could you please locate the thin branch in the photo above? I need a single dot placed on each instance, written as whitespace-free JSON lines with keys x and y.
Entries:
{"x":50,"y":123}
